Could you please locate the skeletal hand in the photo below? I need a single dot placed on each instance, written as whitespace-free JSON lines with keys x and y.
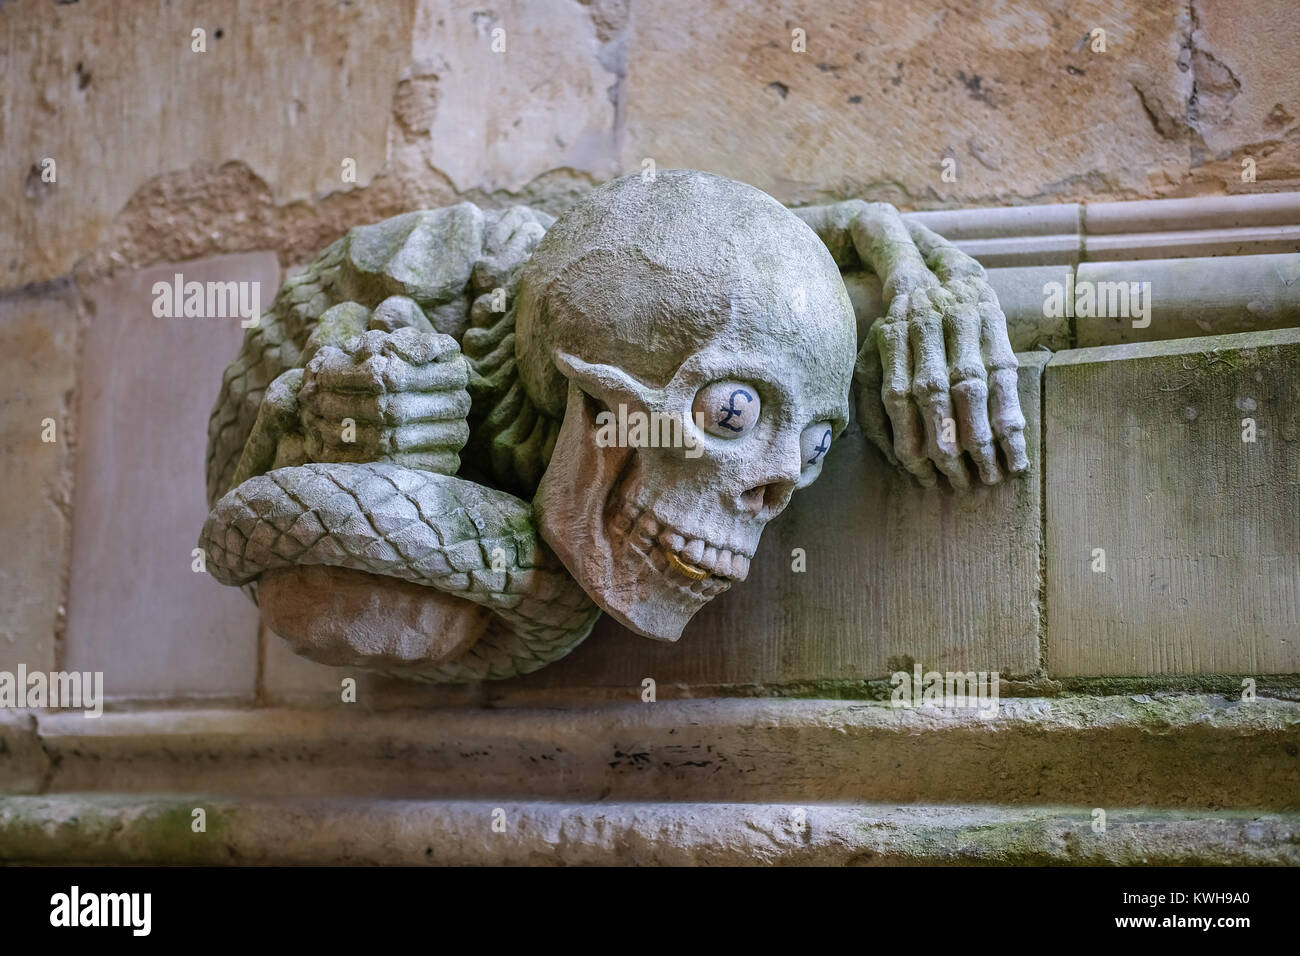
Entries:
{"x":387,"y":396}
{"x":936,"y":375}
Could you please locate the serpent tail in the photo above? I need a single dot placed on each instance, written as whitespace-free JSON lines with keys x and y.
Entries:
{"x":436,"y":530}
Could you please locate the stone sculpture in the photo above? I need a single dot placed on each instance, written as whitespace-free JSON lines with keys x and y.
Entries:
{"x":404,"y":466}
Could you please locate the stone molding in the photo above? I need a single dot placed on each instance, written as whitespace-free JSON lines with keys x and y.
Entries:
{"x":1071,"y":233}
{"x":156,"y":829}
{"x":1089,"y":751}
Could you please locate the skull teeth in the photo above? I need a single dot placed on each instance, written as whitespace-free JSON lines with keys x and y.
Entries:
{"x":699,"y":566}
{"x":690,"y":570}
{"x":694,"y":557}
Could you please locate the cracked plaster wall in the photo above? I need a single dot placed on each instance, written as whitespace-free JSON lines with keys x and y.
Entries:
{"x":164,"y":154}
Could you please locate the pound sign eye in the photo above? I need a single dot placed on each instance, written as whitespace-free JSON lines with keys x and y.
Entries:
{"x":814,"y":443}
{"x":821,"y":448}
{"x":728,"y":409}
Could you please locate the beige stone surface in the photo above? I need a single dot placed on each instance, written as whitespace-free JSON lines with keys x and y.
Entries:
{"x":334,"y":615}
{"x":496,"y":120}
{"x":887,"y":91}
{"x":137,"y":611}
{"x":117,"y":96}
{"x":164,"y":154}
{"x":1243,"y":63}
{"x":1200,"y":529}
{"x":38,"y":335}
{"x":895,"y":574}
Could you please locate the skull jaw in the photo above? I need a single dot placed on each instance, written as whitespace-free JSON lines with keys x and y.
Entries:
{"x":571,"y":505}
{"x":619,"y":579}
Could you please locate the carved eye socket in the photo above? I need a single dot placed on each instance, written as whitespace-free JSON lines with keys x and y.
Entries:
{"x":814,"y":443}
{"x":728,"y":409}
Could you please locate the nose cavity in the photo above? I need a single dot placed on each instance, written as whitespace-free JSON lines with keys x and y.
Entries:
{"x":767,"y":500}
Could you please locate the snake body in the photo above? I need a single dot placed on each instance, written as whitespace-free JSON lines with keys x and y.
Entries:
{"x":463,"y":537}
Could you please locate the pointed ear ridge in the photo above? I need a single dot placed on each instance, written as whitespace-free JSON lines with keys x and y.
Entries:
{"x":605,"y":382}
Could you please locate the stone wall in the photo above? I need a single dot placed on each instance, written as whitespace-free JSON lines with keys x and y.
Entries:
{"x":233,"y":163}
{"x":165,"y":154}
{"x":1127,"y":593}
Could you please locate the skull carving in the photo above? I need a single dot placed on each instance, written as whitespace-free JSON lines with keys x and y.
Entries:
{"x":706,"y":319}
{"x":696,"y":301}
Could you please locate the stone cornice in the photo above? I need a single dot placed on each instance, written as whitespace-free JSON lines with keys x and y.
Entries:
{"x":1100,"y":751}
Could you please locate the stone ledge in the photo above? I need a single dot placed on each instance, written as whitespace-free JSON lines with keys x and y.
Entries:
{"x":1173,"y":507}
{"x":1182,"y":751}
{"x":24,"y":765}
{"x":157,"y":829}
{"x":1071,"y":233}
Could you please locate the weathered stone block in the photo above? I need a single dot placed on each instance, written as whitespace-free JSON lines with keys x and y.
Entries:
{"x":24,"y":764}
{"x":118,"y":97}
{"x":1173,"y":507}
{"x":38,"y":333}
{"x":497,"y":96}
{"x":894,"y":572}
{"x":882,"y":96}
{"x":137,"y":610}
{"x":1178,"y":298}
{"x":1242,"y":59}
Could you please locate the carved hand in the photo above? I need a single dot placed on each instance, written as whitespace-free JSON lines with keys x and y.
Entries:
{"x":936,"y":375}
{"x":387,"y":396}
{"x":939,"y":358}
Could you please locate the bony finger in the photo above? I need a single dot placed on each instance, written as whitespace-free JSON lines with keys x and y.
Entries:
{"x":909,"y":436}
{"x":968,"y":378}
{"x":1005,"y":417}
{"x":970,"y":401}
{"x":1007,"y":420}
{"x":896,"y":395}
{"x":1013,"y":447}
{"x":442,"y":460}
{"x":426,"y":436}
{"x":432,"y":376}
{"x":985,"y":458}
{"x":929,"y":386}
{"x":941,"y":439}
{"x":869,"y":377}
{"x":419,"y":347}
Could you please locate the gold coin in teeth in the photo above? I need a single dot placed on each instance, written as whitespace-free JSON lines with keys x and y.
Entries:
{"x":690,"y":570}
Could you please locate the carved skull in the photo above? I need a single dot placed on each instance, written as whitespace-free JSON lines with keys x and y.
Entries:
{"x":700,"y":302}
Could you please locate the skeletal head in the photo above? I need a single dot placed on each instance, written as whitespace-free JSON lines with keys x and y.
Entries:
{"x":689,"y":299}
